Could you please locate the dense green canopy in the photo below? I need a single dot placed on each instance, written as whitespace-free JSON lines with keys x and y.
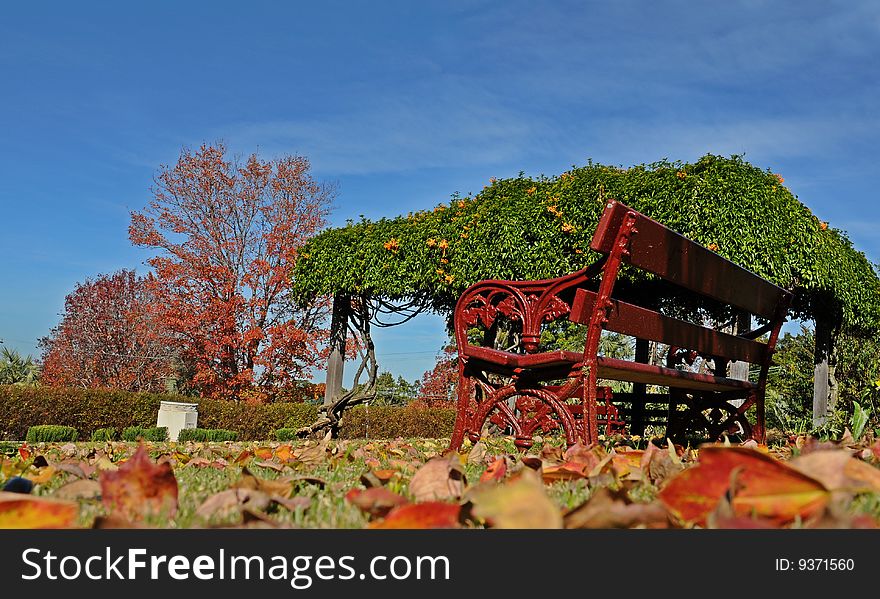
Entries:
{"x":524,"y":228}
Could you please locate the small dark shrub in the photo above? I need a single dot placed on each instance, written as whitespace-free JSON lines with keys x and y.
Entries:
{"x":51,"y":433}
{"x":133,"y":433}
{"x":104,"y":434}
{"x":286,"y":434}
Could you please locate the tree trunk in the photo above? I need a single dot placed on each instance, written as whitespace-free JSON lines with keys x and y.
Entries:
{"x":824,"y":385}
{"x":336,"y":360}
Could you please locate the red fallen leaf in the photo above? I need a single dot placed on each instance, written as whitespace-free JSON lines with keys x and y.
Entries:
{"x":376,"y":501}
{"x":26,"y":511}
{"x":24,"y":451}
{"x":764,"y":487}
{"x":431,"y":514}
{"x":139,"y":488}
{"x":495,"y":471}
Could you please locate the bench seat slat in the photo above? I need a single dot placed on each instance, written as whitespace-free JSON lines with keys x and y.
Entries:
{"x":675,"y":258}
{"x":609,"y":368}
{"x":646,"y":324}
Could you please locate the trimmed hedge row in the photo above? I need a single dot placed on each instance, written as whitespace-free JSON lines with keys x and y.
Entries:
{"x":100,"y":415}
{"x":89,"y":410}
{"x":388,"y":422}
{"x":51,"y":433}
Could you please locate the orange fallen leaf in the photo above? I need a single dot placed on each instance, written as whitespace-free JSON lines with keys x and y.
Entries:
{"x":140,"y":489}
{"x":26,"y":511}
{"x":284,"y":453}
{"x":431,"y":514}
{"x":495,"y":471}
{"x":763,"y":487}
{"x":264,"y":453}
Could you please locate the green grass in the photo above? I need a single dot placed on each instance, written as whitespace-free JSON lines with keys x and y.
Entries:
{"x":328,"y":508}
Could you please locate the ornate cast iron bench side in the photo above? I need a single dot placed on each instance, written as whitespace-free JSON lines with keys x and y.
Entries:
{"x":622,"y":235}
{"x":490,"y":377}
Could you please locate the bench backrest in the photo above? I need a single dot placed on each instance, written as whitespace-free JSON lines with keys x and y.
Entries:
{"x":657,"y":249}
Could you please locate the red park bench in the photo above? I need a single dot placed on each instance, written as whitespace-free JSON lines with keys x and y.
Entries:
{"x":508,"y":383}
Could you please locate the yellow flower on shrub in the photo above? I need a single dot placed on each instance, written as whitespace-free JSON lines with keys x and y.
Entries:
{"x":443,"y":244}
{"x":431,"y":242}
{"x":681,"y":174}
{"x":391,"y":245}
{"x":531,"y":190}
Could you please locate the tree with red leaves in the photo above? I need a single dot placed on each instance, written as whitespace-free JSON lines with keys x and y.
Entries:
{"x":108,"y":338}
{"x":228,"y":234}
{"x":438,"y":385}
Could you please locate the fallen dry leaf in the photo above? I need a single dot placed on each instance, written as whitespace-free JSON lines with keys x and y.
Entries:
{"x":495,"y":471}
{"x":477,"y":454}
{"x":432,"y":514}
{"x":281,"y":487}
{"x":613,"y":509}
{"x":440,"y":478}
{"x":27,"y":511}
{"x":521,"y":502}
{"x":376,"y":501}
{"x":79,"y":489}
{"x":839,"y":471}
{"x":225,"y":503}
{"x":140,"y":489}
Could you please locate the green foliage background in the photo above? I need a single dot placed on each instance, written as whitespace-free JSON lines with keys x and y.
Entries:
{"x":525,"y":228}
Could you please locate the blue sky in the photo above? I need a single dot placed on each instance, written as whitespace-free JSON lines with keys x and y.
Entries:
{"x":403,"y":103}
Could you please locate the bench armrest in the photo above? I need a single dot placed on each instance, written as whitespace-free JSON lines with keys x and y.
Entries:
{"x":530,"y":303}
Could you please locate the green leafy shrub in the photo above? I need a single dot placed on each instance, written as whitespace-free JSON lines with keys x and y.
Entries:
{"x":156,"y":433}
{"x":286,"y":434}
{"x":51,"y":433}
{"x":90,"y":409}
{"x":104,"y":434}
{"x":388,"y":422}
{"x":206,"y":434}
